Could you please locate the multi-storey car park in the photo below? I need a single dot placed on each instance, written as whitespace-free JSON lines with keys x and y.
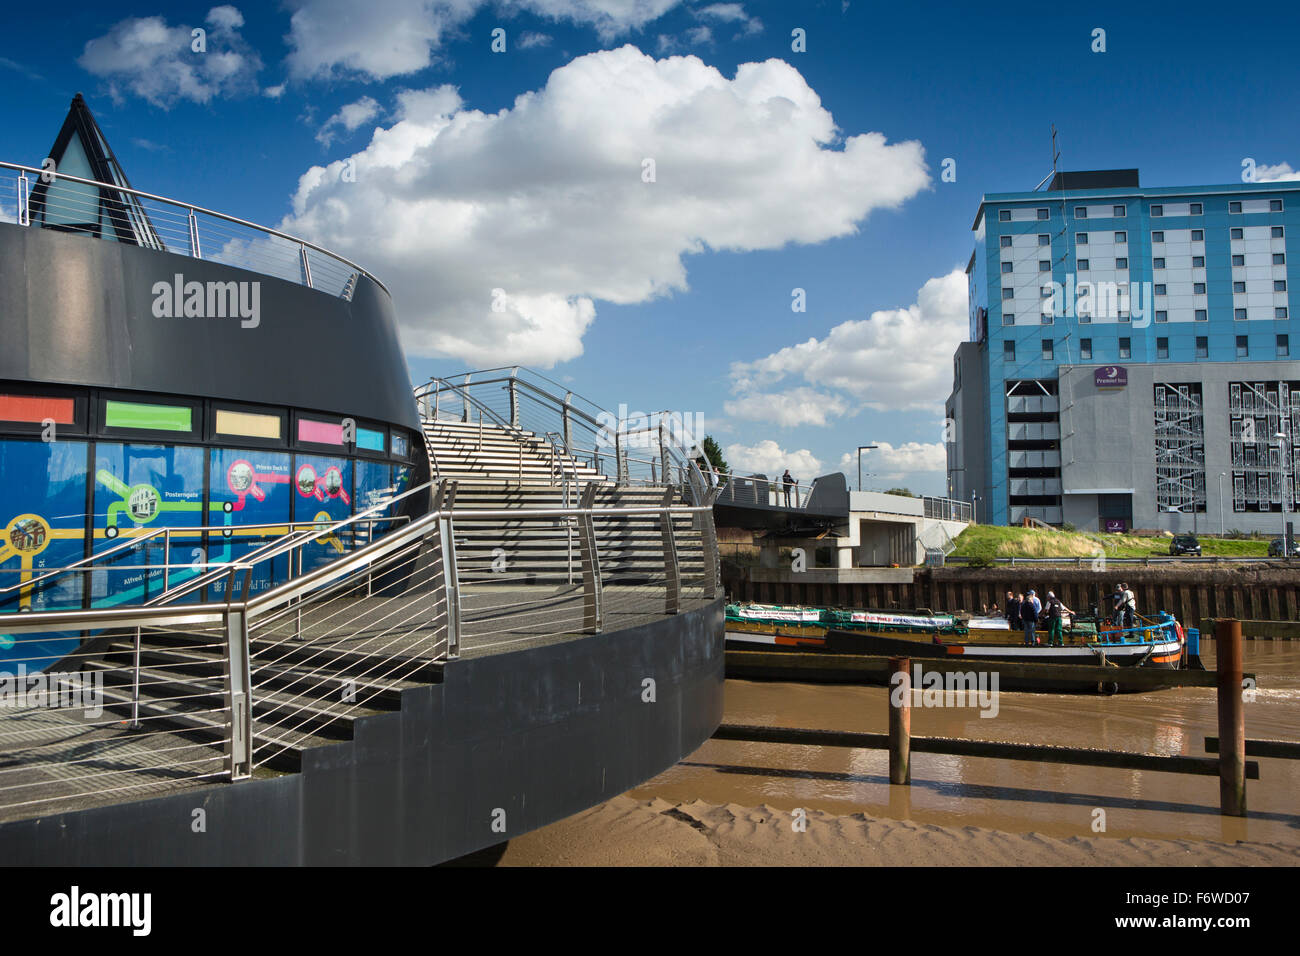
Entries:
{"x":1129,"y":362}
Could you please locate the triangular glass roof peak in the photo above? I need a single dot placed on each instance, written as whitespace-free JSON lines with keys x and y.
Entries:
{"x":81,"y":150}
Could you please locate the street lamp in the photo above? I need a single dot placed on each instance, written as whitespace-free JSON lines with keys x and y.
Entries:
{"x":1222,"y":475}
{"x":861,"y":449}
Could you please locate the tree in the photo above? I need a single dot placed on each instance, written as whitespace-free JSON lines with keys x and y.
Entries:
{"x":906,"y":493}
{"x":713,"y":456}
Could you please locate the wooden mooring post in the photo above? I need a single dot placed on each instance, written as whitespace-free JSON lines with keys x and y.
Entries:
{"x":900,"y":720}
{"x":1232,"y":718}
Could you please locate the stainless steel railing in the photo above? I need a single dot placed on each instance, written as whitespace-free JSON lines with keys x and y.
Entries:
{"x":533,"y":405}
{"x":189,"y":693}
{"x":761,"y":490}
{"x":178,"y":227}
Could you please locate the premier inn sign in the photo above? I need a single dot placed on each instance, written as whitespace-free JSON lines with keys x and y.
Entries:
{"x":1112,"y":376}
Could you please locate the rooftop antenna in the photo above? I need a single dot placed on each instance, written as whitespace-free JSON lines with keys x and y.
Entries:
{"x":1055,"y":156}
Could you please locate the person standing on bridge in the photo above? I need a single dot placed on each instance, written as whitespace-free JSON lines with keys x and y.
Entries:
{"x":788,"y":480}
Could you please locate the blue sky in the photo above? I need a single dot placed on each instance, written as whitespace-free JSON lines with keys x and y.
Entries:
{"x":653,"y":303}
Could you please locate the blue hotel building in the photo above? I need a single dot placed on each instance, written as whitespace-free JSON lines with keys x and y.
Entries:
{"x":1130,"y":356}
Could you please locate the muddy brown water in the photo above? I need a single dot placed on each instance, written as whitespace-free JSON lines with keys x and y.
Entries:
{"x":1018,"y":796}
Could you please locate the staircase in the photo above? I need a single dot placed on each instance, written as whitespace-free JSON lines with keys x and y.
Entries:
{"x":483,"y":450}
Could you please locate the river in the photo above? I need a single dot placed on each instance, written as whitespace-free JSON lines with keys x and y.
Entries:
{"x":1018,"y":796}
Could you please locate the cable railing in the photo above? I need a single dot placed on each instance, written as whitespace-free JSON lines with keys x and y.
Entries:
{"x":655,"y":449}
{"x":761,"y":490}
{"x":151,"y":698}
{"x":947,"y":509}
{"x":87,"y":206}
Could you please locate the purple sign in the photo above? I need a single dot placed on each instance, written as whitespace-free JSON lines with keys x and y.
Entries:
{"x":1112,"y":376}
{"x":1116,"y":525}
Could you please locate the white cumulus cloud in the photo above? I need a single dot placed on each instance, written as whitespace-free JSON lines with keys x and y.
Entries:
{"x":789,"y":409}
{"x":348,"y":118}
{"x":895,"y":463}
{"x":498,"y":233}
{"x":157,"y":62}
{"x":769,"y":458}
{"x":385,"y":38}
{"x":1281,"y":173}
{"x":898,"y":359}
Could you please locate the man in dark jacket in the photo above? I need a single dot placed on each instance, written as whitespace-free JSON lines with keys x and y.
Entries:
{"x":1056,"y":611}
{"x":1011,"y":611}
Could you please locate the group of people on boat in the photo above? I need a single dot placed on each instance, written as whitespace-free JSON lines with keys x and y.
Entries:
{"x":1026,"y":611}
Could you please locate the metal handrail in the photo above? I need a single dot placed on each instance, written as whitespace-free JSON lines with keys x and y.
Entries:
{"x":190,"y":209}
{"x":565,"y":406}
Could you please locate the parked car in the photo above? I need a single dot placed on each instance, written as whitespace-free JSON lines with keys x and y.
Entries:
{"x":1275,"y":547}
{"x":1185,"y":544}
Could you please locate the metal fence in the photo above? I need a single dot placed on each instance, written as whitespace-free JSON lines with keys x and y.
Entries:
{"x":761,"y":490}
{"x":184,"y":694}
{"x":947,"y":509}
{"x":92,"y":208}
{"x":654,"y":449}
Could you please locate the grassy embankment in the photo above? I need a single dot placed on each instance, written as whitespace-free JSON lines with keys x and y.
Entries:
{"x":991,"y":541}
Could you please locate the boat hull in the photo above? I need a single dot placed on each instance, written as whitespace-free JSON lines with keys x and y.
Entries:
{"x":1166,"y":653}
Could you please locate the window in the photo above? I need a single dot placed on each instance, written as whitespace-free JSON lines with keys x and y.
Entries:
{"x":1195,"y":209}
{"x":1004,"y":215}
{"x":1121,"y":262}
{"x":248,"y":425}
{"x":1162,"y":315}
{"x":1121,"y":237}
{"x":1008,"y":318}
{"x":1085,"y":349}
{"x":1280,"y":312}
{"x":1160,"y":288}
{"x":1046,"y":318}
{"x":1198,"y":288}
{"x":1043,"y":214}
{"x":1279,"y":285}
{"x":1008,"y":294}
{"x":1202,"y":346}
{"x":1162,"y":348}
{"x":1083,"y":265}
{"x":1198,"y":235}
{"x":1157,"y":210}
{"x":1157,"y":263}
{"x":1123,"y":316}
{"x":1238,"y":260}
{"x":1006,"y":242}
{"x":1125,"y":348}
{"x":1008,"y":351}
{"x":1283,"y":346}
{"x":1119,"y":211}
{"x":1238,"y":313}
{"x":313,"y":432}
{"x":1202,"y":315}
{"x":1278,"y":232}
{"x":1044,"y":240}
{"x":1275,"y":205}
{"x":1080,"y":212}
{"x":1198,"y":262}
{"x":1085,"y":317}
{"x":1243,"y":346}
{"x":1081,"y":238}
{"x":1157,"y":237}
{"x":1239,"y":287}
{"x":1235,"y":232}
{"x":1048,"y":350}
{"x":1006,"y":267}
{"x":370,"y":439}
{"x":1234,"y":207}
{"x":1044,"y":265}
{"x":1279,"y":258}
